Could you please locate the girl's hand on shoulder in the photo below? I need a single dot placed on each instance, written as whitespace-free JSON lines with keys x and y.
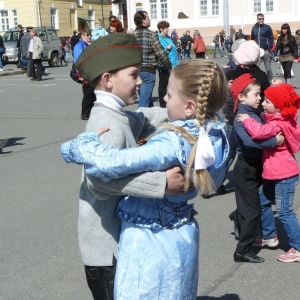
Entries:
{"x":242,"y":117}
{"x":102,"y":130}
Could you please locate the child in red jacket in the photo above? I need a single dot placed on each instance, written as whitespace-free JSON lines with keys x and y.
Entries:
{"x":280,"y":168}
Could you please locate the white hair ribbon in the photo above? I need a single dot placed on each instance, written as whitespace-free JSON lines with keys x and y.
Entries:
{"x":205,"y":155}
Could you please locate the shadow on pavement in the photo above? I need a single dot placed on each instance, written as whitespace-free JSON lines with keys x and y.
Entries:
{"x":12,"y":142}
{"x":224,"y":297}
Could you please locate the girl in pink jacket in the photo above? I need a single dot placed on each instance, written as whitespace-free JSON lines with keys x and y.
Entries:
{"x":280,"y":168}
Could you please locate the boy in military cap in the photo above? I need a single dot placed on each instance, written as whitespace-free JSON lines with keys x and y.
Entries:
{"x":112,"y":64}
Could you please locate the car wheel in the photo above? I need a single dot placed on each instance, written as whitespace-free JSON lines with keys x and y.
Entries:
{"x":54,"y":60}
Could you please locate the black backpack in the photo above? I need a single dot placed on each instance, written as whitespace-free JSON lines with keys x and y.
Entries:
{"x":74,"y":74}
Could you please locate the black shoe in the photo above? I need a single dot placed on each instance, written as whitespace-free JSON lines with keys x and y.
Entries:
{"x":249,"y":257}
{"x":33,"y":79}
{"x":221,"y":190}
{"x":236,"y":228}
{"x":39,"y":79}
{"x":84,"y":117}
{"x":205,"y":196}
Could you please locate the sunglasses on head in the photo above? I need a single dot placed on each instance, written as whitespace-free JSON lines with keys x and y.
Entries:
{"x":261,"y":19}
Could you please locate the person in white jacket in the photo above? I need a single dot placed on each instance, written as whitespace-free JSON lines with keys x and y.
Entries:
{"x":35,"y":54}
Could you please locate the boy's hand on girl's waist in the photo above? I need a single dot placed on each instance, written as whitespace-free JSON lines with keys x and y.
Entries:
{"x":175,"y":181}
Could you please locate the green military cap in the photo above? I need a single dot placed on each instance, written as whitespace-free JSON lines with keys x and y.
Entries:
{"x":108,"y":53}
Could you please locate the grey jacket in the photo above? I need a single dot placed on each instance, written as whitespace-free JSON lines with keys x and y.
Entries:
{"x":98,"y":226}
{"x":24,"y":44}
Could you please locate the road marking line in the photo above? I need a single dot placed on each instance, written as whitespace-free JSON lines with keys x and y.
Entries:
{"x":26,"y":84}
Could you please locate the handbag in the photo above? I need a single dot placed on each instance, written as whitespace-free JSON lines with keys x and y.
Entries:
{"x":74,"y":74}
{"x":4,"y":60}
{"x":2,"y":50}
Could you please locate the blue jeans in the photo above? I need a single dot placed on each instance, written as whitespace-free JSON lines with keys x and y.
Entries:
{"x":267,"y":63}
{"x":217,"y":46}
{"x":187,"y":54}
{"x":283,"y":192}
{"x":145,"y":92}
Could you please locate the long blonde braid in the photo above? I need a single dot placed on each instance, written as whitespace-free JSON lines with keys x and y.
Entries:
{"x":203,"y":81}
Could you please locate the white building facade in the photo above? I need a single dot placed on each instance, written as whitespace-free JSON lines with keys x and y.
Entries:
{"x":212,"y":16}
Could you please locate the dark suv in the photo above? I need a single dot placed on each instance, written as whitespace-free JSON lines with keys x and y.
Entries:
{"x":49,"y":37}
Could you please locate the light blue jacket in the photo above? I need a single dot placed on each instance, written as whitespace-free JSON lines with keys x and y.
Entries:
{"x":165,"y":41}
{"x":166,"y":149}
{"x":98,"y":32}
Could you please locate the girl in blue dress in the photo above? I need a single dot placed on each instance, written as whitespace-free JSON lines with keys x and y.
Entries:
{"x":159,"y":240}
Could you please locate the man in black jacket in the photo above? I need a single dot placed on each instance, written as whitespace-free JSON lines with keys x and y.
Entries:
{"x":262,"y":34}
{"x":20,"y":34}
{"x":74,"y":40}
{"x":240,"y":35}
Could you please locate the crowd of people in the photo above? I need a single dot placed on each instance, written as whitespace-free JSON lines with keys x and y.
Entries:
{"x":138,"y":237}
{"x":137,"y":233}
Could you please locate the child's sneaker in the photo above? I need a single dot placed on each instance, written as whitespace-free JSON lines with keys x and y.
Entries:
{"x":291,"y":256}
{"x":270,"y":243}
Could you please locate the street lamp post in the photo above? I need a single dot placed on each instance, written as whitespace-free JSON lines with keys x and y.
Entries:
{"x":226,"y":17}
{"x":102,"y":14}
{"x":39,"y":12}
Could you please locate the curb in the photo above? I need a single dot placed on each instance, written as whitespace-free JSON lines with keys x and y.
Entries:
{"x":11,"y":72}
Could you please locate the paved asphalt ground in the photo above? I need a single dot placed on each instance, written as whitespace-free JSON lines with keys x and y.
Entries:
{"x":39,"y":257}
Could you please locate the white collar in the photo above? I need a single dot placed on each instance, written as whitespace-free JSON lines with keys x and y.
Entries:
{"x":109,"y":100}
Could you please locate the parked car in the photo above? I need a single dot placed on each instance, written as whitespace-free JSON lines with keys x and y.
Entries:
{"x":10,"y":43}
{"x":51,"y":42}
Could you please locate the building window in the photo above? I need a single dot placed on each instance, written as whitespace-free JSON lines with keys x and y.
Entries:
{"x":269,"y":5}
{"x":153,"y":9}
{"x":209,"y":7}
{"x":215,"y":8}
{"x":257,"y":6}
{"x":14,"y":18}
{"x":164,"y":9}
{"x":261,"y":6}
{"x":4,"y":21}
{"x":203,"y":7}
{"x":54,"y":18}
{"x":158,"y":11}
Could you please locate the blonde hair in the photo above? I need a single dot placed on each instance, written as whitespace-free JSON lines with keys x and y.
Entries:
{"x":99,"y":22}
{"x":204,"y":81}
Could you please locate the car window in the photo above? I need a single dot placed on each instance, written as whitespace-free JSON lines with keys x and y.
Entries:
{"x":53,"y":35}
{"x":10,"y":36}
{"x":42,"y":34}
